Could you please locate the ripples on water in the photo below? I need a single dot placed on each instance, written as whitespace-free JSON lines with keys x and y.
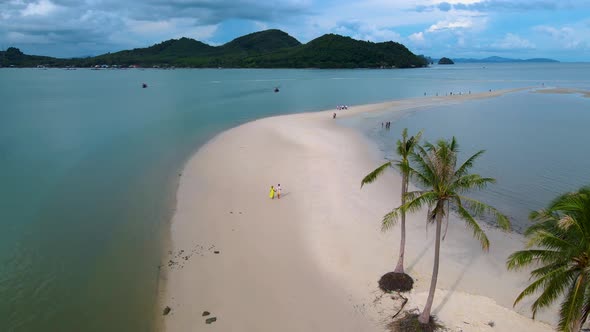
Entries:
{"x":89,"y":163}
{"x":535,"y":144}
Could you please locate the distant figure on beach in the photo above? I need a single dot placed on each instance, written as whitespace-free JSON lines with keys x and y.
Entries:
{"x":381,"y":124}
{"x":271,"y":194}
{"x":334,"y":115}
{"x":278,"y":189}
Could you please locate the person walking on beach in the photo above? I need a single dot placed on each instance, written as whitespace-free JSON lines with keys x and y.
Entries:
{"x":271,"y":194}
{"x":278,"y":189}
{"x":334,"y":116}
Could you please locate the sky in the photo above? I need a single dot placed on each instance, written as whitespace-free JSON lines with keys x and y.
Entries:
{"x":558,"y":29}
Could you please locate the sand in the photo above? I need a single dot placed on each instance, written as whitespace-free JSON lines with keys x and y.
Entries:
{"x":311,"y":260}
{"x":584,"y":93}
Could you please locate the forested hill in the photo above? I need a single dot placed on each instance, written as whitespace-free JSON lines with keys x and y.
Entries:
{"x":264,"y":49}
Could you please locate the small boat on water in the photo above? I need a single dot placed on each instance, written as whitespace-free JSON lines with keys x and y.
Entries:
{"x":143,"y":85}
{"x":276,"y":89}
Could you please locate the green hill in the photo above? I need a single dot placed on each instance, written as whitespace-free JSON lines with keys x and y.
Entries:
{"x":264,"y":49}
{"x":261,"y":42}
{"x":13,"y":57}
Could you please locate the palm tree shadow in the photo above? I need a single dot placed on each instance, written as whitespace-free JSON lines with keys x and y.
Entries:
{"x":411,"y":266}
{"x":456,"y":283}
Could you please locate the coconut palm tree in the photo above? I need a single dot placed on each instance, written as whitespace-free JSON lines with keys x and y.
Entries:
{"x":435,"y":167}
{"x":559,"y":250}
{"x":405,"y":147}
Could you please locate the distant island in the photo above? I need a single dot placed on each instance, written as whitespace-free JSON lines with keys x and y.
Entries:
{"x":265,"y":49}
{"x":497,"y":59}
{"x":445,"y":61}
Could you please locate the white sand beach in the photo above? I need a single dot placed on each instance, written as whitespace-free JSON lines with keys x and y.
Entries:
{"x":311,"y":260}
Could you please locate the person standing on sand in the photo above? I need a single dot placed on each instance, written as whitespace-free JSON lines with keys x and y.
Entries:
{"x":278,"y":191}
{"x":271,"y":194}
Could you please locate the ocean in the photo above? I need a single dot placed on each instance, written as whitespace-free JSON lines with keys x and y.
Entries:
{"x":90,"y":162}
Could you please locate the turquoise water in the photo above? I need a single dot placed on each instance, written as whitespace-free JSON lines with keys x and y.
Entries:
{"x":89,"y":165}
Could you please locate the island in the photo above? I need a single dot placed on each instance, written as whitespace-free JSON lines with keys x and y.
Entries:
{"x":264,"y":49}
{"x":445,"y":61}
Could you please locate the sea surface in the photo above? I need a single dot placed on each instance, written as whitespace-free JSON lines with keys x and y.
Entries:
{"x":90,"y":162}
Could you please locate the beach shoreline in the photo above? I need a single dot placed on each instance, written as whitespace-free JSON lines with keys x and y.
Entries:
{"x":299,"y":268}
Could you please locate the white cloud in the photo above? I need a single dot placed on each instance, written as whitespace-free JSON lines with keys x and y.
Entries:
{"x":567,"y":37}
{"x":513,"y":42}
{"x":41,"y":8}
{"x":363,"y":31}
{"x":463,"y":23}
{"x":146,"y":27}
{"x":417,"y":37}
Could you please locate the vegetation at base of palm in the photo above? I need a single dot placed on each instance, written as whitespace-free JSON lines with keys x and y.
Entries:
{"x":446,"y":182}
{"x":404,"y":148}
{"x":396,"y":282}
{"x":559,"y":252}
{"x":264,"y":49}
{"x":409,"y":323}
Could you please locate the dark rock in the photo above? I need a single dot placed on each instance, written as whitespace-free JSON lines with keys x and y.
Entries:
{"x":216,"y":252}
{"x":210,"y":320}
{"x":396,"y":282}
{"x":167,"y":310}
{"x":206,"y":313}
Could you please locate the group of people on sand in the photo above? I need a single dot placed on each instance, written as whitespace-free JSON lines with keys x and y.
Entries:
{"x":387,"y":124}
{"x":275,"y":191}
{"x":341,"y":107}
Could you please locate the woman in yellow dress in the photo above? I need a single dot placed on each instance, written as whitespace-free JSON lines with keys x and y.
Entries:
{"x":271,"y":194}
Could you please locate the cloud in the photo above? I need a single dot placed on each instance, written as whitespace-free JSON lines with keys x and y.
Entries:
{"x":417,"y":37}
{"x":41,"y":8}
{"x":363,"y":31}
{"x":577,"y":38}
{"x":501,"y":5}
{"x":513,"y":42}
{"x":451,"y":25}
{"x":444,"y":6}
{"x":89,"y":27}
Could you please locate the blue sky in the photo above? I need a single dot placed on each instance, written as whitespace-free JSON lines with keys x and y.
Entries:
{"x":463,"y":28}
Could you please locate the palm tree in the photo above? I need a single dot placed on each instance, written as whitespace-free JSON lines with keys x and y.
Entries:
{"x":445,"y":183}
{"x":405,"y":147}
{"x":559,"y":249}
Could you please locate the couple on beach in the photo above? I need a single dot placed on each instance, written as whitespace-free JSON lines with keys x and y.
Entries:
{"x":275,"y":190}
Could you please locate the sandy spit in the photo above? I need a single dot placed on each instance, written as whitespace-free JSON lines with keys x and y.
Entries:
{"x":311,"y":260}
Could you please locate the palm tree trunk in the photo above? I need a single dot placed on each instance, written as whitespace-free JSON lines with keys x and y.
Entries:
{"x":399,"y":268}
{"x":424,"y":317}
{"x":577,"y":325}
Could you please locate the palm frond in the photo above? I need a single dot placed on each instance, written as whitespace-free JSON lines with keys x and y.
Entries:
{"x":391,"y":219}
{"x":478,"y":233}
{"x":553,"y":287}
{"x":371,"y":177}
{"x":467,"y":164}
{"x":571,"y":309}
{"x":478,"y":209}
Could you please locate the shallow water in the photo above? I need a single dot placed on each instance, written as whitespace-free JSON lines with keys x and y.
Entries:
{"x":89,"y":163}
{"x":536,"y":144}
